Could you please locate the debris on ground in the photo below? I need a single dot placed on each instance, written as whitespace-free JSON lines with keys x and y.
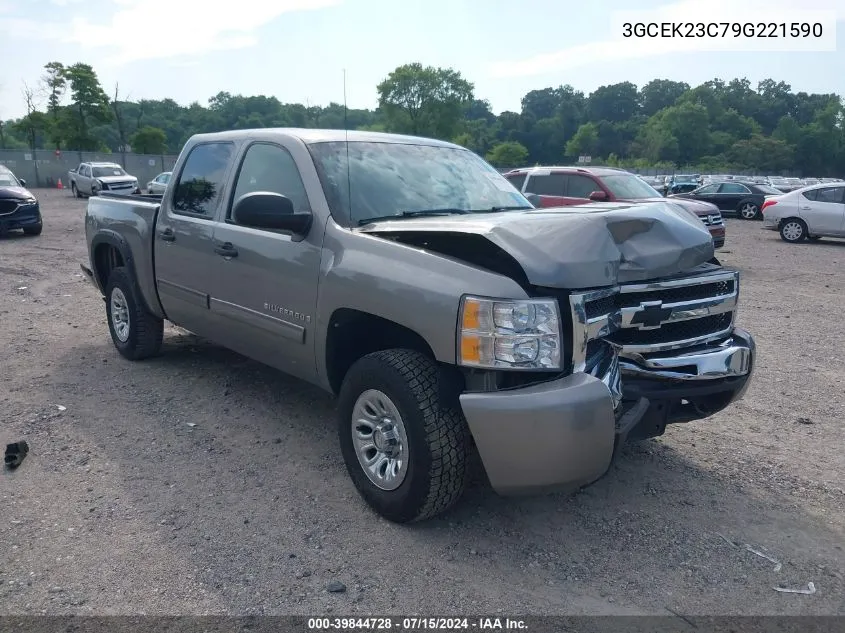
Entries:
{"x":335,"y":586}
{"x":61,"y":407}
{"x":809,"y":591}
{"x":804,"y":421}
{"x":15,"y":453}
{"x":777,"y":564}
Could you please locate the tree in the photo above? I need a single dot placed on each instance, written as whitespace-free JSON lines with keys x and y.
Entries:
{"x":617,"y":102}
{"x":149,"y":140}
{"x":117,"y":108}
{"x":34,"y":122}
{"x":659,"y":94}
{"x":761,"y":153}
{"x":688,"y":123}
{"x":55,"y":84}
{"x":509,"y":154}
{"x":90,"y":106}
{"x":424,"y":100}
{"x":585,"y":141}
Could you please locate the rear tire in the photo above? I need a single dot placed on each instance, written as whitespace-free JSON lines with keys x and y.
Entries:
{"x":431,"y":437}
{"x":748,"y":211}
{"x":135,"y":332}
{"x":793,"y":230}
{"x":74,"y":190}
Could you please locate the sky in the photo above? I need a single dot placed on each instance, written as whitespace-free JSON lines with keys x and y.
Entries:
{"x":297,"y":50}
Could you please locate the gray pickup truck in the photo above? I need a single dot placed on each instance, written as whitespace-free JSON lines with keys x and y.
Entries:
{"x":449,"y":316}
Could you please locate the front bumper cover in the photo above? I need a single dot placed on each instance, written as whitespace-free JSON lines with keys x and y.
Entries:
{"x":561,"y":435}
{"x":24,"y":216}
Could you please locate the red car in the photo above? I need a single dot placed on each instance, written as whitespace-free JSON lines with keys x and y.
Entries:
{"x":564,"y":186}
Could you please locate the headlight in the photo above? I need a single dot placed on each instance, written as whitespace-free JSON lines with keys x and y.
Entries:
{"x":509,"y":334}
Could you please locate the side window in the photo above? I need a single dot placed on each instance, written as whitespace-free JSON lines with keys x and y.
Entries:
{"x":271,"y":168}
{"x":85,"y":171}
{"x":733,"y":187}
{"x":830,"y":194}
{"x":581,"y":186}
{"x":708,"y":189}
{"x":198,"y":189}
{"x":517,"y":180}
{"x":550,"y":185}
{"x":812,"y":194}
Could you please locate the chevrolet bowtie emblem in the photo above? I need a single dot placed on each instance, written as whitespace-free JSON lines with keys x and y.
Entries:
{"x":651,"y":315}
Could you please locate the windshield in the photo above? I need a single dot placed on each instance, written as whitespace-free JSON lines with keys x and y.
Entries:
{"x":8,"y":180}
{"x":388,"y":179}
{"x":629,"y":187}
{"x":766,"y":189}
{"x":103,"y":172}
{"x":685,"y":179}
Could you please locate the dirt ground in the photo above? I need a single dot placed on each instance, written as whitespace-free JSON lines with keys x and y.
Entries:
{"x":203,"y":483}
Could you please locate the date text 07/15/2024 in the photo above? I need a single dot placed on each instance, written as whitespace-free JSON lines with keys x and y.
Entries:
{"x":415,"y":624}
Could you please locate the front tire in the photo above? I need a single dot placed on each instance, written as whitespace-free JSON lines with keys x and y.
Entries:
{"x":135,"y":332}
{"x":793,"y":230}
{"x":748,"y":211}
{"x":406,"y":451}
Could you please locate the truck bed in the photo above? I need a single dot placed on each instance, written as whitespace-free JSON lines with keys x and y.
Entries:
{"x":126,"y":223}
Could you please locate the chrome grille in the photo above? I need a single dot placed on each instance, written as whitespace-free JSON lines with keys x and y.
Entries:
{"x":655,"y":316}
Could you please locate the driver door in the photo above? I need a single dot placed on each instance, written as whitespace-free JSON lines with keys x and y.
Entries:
{"x":264,"y":284}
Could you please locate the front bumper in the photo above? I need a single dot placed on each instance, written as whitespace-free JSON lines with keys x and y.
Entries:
{"x":561,"y":435}
{"x":24,"y":216}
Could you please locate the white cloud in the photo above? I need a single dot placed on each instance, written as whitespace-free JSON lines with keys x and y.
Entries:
{"x":160,"y":29}
{"x":618,"y":48}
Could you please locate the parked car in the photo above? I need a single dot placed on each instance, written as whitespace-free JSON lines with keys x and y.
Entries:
{"x":19,"y":208}
{"x":89,"y":179}
{"x":448,"y":319}
{"x":681,"y":183}
{"x":158,"y":184}
{"x":565,"y":186}
{"x":742,"y":199}
{"x":810,"y":213}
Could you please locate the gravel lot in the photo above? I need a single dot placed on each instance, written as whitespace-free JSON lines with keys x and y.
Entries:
{"x":203,"y":483}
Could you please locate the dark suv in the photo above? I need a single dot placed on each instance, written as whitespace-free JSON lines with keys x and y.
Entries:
{"x":564,"y":186}
{"x":18,"y":207}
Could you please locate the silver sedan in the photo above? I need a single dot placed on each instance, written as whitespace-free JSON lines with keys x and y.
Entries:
{"x":158,"y":184}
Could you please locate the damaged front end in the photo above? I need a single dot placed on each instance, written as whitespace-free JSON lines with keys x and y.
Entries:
{"x":669,"y":349}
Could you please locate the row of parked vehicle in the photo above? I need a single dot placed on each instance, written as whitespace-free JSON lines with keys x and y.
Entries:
{"x":683,"y":183}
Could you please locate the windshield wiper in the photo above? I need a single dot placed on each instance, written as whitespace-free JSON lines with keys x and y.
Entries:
{"x":518,"y":207}
{"x":420,"y":213}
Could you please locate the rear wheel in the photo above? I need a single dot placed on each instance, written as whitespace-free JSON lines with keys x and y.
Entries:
{"x":406,"y":450}
{"x":748,"y":211}
{"x":135,"y":332}
{"x":793,"y":230}
{"x":74,"y":190}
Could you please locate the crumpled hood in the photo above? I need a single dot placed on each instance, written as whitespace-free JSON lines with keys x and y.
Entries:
{"x":586,"y":246}
{"x":18,"y":193}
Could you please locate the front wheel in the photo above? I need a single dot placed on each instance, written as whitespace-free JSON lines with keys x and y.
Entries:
{"x":748,"y":211}
{"x":135,"y":332}
{"x":405,"y":450}
{"x":793,"y":230}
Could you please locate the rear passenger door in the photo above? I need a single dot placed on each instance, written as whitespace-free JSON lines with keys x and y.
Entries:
{"x":551,"y":187}
{"x":824,"y":210}
{"x":185,"y":262}
{"x":264,"y":284}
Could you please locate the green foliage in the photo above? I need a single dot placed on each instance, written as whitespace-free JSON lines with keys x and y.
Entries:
{"x":665,"y":125}
{"x":508,"y":154}
{"x":424,"y":101}
{"x":149,"y":140}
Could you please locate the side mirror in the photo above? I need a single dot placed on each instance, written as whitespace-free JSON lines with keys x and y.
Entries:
{"x":598,"y":196}
{"x":267,"y":210}
{"x":22,"y":181}
{"x":534,"y":199}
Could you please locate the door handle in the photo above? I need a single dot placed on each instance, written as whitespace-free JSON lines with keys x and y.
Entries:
{"x":805,"y":208}
{"x":167,"y":235}
{"x":226,"y":250}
